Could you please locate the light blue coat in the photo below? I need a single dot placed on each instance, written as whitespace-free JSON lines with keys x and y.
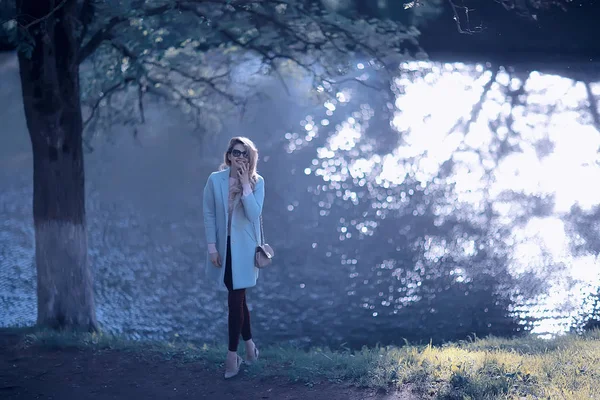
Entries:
{"x":245,"y":229}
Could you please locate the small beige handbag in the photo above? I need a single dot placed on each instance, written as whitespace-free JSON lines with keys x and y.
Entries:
{"x":264,"y":252}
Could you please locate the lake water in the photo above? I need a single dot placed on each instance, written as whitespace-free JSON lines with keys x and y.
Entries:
{"x":444,"y":211}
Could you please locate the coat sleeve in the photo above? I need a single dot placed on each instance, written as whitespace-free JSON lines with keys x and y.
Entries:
{"x":210,"y":223}
{"x":253,"y":203}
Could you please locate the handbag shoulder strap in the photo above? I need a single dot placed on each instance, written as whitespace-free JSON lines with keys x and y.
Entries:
{"x":262,"y":232}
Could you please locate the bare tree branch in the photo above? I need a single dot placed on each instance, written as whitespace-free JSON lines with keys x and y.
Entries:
{"x":86,"y":16}
{"x":141,"y":103}
{"x":181,"y":96}
{"x":466,"y":10}
{"x":359,"y":81}
{"x":107,"y":93}
{"x":524,"y":7}
{"x":593,"y":103}
{"x":210,"y":82}
{"x":45,"y":17}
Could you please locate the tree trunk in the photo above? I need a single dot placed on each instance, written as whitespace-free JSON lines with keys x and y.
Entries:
{"x":51,"y":98}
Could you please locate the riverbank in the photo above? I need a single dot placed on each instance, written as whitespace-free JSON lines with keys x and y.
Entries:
{"x":37,"y":364}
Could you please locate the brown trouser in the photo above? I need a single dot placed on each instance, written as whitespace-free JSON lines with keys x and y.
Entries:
{"x":239,"y":316}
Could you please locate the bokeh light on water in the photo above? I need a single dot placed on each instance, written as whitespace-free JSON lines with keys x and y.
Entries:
{"x":513,"y":150}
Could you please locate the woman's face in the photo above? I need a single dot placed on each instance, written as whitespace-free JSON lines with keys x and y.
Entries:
{"x":238,"y":155}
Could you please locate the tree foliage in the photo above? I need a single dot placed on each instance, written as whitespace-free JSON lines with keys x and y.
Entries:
{"x":7,"y":25}
{"x":206,"y":56}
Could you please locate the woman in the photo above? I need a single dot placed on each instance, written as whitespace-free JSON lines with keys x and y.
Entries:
{"x":233,"y":201}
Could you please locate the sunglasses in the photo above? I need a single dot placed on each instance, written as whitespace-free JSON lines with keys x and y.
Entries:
{"x":239,"y":153}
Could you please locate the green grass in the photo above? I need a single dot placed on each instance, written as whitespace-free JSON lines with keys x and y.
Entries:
{"x":567,"y":367}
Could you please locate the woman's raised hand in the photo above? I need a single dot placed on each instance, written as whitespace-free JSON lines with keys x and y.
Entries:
{"x":242,"y":173}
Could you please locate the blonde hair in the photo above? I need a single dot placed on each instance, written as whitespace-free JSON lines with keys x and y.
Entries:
{"x":250,"y":147}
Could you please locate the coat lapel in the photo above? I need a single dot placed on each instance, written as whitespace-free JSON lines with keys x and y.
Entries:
{"x":225,"y":191}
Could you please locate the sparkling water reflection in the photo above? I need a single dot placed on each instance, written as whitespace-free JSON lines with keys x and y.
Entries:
{"x":502,"y":136}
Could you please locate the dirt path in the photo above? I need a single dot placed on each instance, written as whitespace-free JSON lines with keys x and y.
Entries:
{"x":45,"y":373}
